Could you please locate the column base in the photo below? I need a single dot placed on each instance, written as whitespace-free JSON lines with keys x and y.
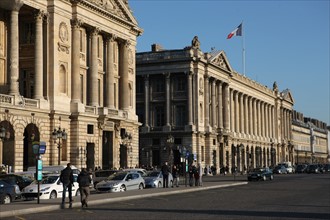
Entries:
{"x":77,"y":107}
{"x":167,"y":128}
{"x":189,"y":128}
{"x":145,"y":129}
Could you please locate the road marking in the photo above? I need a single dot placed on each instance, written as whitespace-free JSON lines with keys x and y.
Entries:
{"x":20,"y":218}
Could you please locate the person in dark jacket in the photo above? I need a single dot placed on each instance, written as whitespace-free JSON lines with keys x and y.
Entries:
{"x":66,"y":178}
{"x":165,"y":171}
{"x":84,"y":180}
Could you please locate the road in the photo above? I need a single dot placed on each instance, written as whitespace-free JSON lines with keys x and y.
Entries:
{"x":296,"y":196}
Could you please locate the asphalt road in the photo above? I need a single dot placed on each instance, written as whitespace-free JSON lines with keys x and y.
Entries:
{"x":296,"y":196}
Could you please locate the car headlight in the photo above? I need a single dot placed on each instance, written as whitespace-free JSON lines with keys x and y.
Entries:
{"x":45,"y":189}
{"x":17,"y":190}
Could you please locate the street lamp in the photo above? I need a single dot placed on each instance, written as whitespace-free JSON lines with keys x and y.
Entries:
{"x":4,"y":134}
{"x":82,"y":153}
{"x":59,"y":135}
{"x":170,"y":141}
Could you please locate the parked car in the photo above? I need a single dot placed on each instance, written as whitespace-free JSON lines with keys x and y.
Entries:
{"x":280,"y":169}
{"x":327,"y":168}
{"x":301,"y":168}
{"x":313,"y":168}
{"x":21,"y":181}
{"x":8,"y":192}
{"x":141,"y":171}
{"x":50,"y":188}
{"x":290,"y":169}
{"x":100,"y":175}
{"x":260,"y":174}
{"x":154,"y":179}
{"x":120,"y":182}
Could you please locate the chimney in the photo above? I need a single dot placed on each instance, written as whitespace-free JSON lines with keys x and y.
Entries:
{"x":156,"y":47}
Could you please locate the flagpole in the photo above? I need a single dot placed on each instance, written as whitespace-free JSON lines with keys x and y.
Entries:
{"x":243,"y":48}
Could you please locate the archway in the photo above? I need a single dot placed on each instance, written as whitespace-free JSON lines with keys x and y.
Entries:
{"x":31,"y":134}
{"x":7,"y":147}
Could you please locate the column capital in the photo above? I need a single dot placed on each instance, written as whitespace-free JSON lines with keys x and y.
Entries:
{"x":95,"y":31}
{"x":76,"y":23}
{"x":39,"y":14}
{"x":11,"y":5}
{"x":111,"y":37}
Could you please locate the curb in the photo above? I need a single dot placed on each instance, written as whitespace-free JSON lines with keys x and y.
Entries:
{"x":111,"y":200}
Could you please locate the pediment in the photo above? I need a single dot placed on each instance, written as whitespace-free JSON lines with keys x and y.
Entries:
{"x":287,"y":96}
{"x":219,"y":58}
{"x":118,"y":8}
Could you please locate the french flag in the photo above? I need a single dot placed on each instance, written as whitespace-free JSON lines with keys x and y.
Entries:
{"x":237,"y":32}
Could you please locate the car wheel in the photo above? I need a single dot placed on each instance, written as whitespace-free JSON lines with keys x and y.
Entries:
{"x":159,"y":184}
{"x":271,"y":177}
{"x":6,"y":199}
{"x":53,"y":195}
{"x":141,"y":186}
{"x":264,"y":178}
{"x":122,"y":188}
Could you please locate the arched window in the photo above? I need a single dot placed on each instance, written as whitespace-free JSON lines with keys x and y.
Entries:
{"x":62,"y":79}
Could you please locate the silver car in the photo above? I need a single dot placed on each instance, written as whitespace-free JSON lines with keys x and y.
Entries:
{"x":154,"y":179}
{"x":120,"y":182}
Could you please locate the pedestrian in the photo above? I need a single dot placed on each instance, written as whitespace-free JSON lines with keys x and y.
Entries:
{"x":196,"y":175}
{"x":191,"y":175}
{"x":200,"y":171}
{"x":66,"y":178}
{"x":165,"y":170}
{"x":175,"y":174}
{"x":84,"y":180}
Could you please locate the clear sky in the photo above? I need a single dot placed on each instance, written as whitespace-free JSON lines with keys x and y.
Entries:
{"x":285,"y":41}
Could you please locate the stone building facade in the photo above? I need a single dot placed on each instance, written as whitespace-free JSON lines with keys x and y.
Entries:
{"x":68,"y":65}
{"x":310,"y":139}
{"x":195,"y":107}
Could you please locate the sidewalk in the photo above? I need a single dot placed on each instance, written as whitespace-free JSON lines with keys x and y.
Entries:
{"x":27,"y":207}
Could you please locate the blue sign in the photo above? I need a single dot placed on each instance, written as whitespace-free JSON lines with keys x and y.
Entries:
{"x":39,"y":170}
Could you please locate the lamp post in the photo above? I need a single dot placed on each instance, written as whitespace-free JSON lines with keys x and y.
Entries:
{"x":82,"y":153}
{"x":59,"y":135}
{"x":272,"y":150}
{"x":170,"y":142}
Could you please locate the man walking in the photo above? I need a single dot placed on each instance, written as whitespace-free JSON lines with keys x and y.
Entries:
{"x":165,"y":171}
{"x":66,"y":178}
{"x":84,"y":180}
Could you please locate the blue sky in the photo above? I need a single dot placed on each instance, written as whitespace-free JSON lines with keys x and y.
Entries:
{"x":285,"y":41}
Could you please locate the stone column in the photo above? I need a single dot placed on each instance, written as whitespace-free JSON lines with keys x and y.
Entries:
{"x":241,"y":113}
{"x":259,"y":119}
{"x":214,"y":122}
{"x":124,"y":93}
{"x":13,"y":47}
{"x":220,"y":107}
{"x":255,"y":119}
{"x":237,"y":115}
{"x":93,"y":74}
{"x":190,"y":99}
{"x":146,"y":100}
{"x":232,"y":111}
{"x":247,"y":119}
{"x":75,"y":56}
{"x":226,"y":108}
{"x":168,"y":99}
{"x":110,"y":73}
{"x":207,"y":102}
{"x":250,"y":116}
{"x":38,"y":57}
{"x":262,"y":109}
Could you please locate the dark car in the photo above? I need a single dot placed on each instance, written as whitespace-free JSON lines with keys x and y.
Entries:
{"x":260,"y":174}
{"x":8,"y":192}
{"x":313,"y":168}
{"x":301,"y":168}
{"x":327,"y":168}
{"x":21,"y":181}
{"x":280,"y":169}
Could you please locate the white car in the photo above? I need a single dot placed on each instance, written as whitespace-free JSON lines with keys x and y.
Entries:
{"x":50,"y":188}
{"x":120,"y":182}
{"x":154,"y":179}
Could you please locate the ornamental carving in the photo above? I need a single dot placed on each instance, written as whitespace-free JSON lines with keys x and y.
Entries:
{"x":108,"y":5}
{"x":63,"y":32}
{"x":130,"y":57}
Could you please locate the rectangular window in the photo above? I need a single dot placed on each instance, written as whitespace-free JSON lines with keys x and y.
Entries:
{"x":139,"y":85}
{"x":159,"y":85}
{"x":90,"y":129}
{"x":159,"y":116}
{"x":180,"y":115}
{"x":180,"y":85}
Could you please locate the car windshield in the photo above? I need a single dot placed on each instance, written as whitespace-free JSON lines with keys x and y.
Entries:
{"x":117,"y":176}
{"x":152,"y":174}
{"x":49,"y":180}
